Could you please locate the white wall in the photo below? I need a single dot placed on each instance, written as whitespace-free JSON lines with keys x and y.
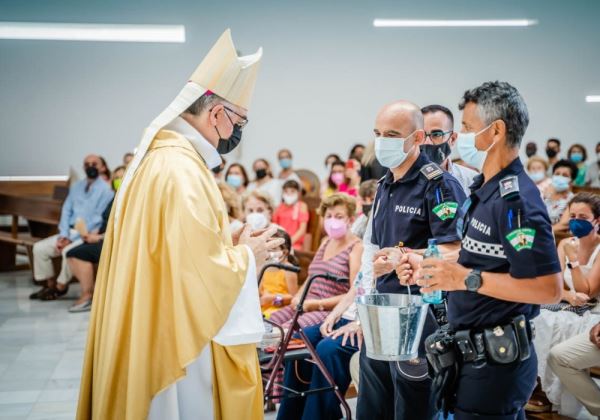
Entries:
{"x":326,"y":72}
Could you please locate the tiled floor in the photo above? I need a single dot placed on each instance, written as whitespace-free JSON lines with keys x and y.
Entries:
{"x":41,"y":352}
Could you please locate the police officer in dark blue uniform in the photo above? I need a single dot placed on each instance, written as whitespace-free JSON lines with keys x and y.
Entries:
{"x":415,"y":201}
{"x":507,"y":267}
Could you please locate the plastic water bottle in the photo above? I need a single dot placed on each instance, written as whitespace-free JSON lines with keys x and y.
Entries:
{"x":432,"y":252}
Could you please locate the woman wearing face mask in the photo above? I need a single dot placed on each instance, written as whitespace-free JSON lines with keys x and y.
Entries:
{"x":339,"y":254}
{"x":258,"y":210}
{"x":284,"y":156}
{"x":337,"y":176}
{"x":237,"y":178}
{"x":264,"y":180}
{"x":278,"y":287}
{"x":537,"y":169}
{"x":577,"y":154}
{"x":580,"y":262}
{"x":292,"y":214}
{"x":558,"y":194}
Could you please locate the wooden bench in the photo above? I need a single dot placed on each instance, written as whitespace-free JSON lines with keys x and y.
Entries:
{"x":39,"y":202}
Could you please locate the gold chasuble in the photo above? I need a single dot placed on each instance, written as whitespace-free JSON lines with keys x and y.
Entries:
{"x":176,"y":313}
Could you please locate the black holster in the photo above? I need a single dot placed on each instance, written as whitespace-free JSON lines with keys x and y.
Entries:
{"x":443,"y":365}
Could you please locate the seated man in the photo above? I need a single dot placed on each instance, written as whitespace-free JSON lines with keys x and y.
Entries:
{"x":86,"y":201}
{"x":571,"y":359}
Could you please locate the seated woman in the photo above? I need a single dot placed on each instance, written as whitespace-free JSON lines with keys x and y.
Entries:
{"x":339,"y":254}
{"x":537,"y":169}
{"x":278,"y":287}
{"x":264,"y":181}
{"x":559,"y":192}
{"x":580,"y":260}
{"x":577,"y":154}
{"x":237,"y":178}
{"x":258,"y":210}
{"x":81,"y":260}
{"x":336,"y":341}
{"x":334,"y":180}
{"x":292,"y":214}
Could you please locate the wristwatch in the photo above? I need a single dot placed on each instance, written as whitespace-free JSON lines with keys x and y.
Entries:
{"x":473,"y":281}
{"x":572,"y":265}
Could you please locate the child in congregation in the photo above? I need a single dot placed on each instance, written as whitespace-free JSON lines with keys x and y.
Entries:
{"x":292,"y":214}
{"x":278,"y":287}
{"x":367,"y":192}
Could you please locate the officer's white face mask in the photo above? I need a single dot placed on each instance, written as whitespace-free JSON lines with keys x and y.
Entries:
{"x":470,"y":154}
{"x":389,"y":151}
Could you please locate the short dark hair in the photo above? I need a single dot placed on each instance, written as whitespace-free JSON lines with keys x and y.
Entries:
{"x":438,"y":108}
{"x":580,"y":146}
{"x":563,"y":163}
{"x":591,"y":199}
{"x":353,"y":150}
{"x":291,"y":184}
{"x":554,"y":139}
{"x":500,"y":101}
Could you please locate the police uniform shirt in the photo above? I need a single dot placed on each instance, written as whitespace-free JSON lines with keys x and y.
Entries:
{"x":506,"y":229}
{"x":422,"y":205}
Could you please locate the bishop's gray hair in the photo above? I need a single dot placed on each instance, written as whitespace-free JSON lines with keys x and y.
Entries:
{"x":205,"y":103}
{"x":500,"y":101}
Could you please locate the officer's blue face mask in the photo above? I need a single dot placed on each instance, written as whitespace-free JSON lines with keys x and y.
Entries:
{"x":470,"y":154}
{"x":580,"y":227}
{"x":560,"y":183}
{"x":389,"y":151}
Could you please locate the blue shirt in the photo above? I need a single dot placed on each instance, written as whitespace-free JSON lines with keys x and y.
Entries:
{"x":510,"y":234}
{"x":412,"y":210}
{"x":87,"y":205}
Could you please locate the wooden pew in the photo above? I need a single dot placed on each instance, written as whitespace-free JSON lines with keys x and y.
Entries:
{"x":36,"y":199}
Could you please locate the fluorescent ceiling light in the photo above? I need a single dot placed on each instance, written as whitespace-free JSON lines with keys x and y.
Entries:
{"x":412,"y":23}
{"x":92,"y":32}
{"x":592,"y":98}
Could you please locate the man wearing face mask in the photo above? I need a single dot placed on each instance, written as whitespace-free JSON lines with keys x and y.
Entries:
{"x":176,"y":299}
{"x":406,"y":213}
{"x":86,"y":201}
{"x":507,"y":266}
{"x":553,"y":152}
{"x":440,"y":138}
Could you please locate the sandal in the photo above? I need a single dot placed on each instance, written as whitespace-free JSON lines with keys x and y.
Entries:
{"x":538,"y":405}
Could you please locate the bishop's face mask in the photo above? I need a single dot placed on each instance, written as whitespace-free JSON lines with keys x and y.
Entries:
{"x":226,"y":145}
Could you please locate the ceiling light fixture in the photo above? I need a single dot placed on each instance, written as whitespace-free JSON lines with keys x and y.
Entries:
{"x":446,"y":23}
{"x":92,"y":32}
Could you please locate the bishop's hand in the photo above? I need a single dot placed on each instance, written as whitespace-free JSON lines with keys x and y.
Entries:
{"x":261,"y":243}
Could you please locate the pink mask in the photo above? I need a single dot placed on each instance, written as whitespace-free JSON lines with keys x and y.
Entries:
{"x":335,"y":228}
{"x":337,"y":178}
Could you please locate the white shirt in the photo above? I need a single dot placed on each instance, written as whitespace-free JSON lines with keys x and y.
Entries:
{"x":463,"y":175}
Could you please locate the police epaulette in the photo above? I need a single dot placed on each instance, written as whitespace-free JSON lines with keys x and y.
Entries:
{"x":509,"y":187}
{"x":432,"y":171}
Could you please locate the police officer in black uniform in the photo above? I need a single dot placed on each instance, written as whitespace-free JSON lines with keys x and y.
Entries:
{"x":415,"y":201}
{"x":507,"y":267}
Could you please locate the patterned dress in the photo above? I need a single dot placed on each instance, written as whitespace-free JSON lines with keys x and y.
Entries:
{"x":339,"y":265}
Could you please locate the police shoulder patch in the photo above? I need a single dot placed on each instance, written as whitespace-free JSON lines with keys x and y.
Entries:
{"x":521,"y":238}
{"x":431,"y":171}
{"x":509,"y":186}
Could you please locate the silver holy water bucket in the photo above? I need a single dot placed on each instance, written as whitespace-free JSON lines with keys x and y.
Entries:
{"x":392,"y":325}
